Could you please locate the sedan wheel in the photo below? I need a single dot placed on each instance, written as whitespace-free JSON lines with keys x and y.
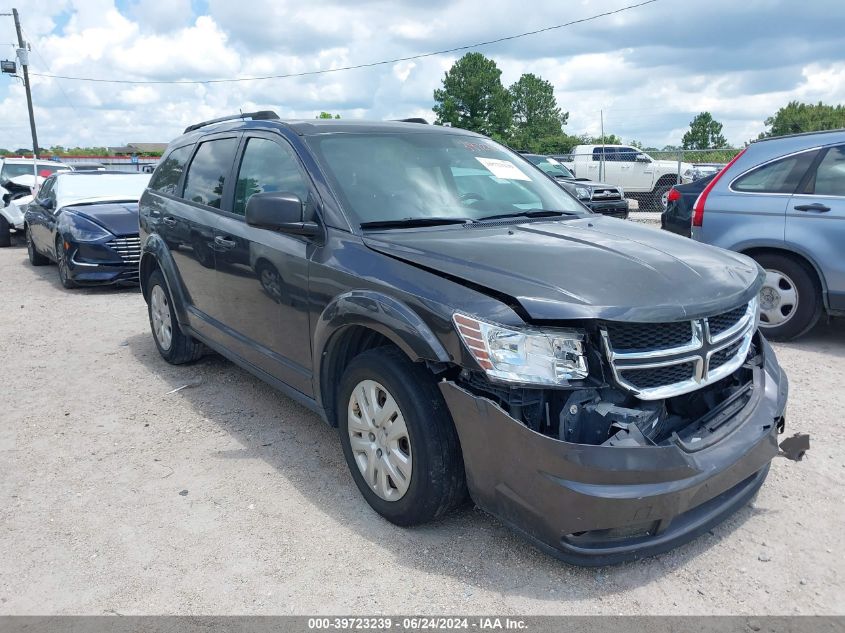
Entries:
{"x":35,"y":258}
{"x":379,"y":439}
{"x":61,"y":262}
{"x":778,"y":299}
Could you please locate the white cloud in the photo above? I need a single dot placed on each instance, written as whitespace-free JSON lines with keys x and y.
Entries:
{"x":647,"y":71}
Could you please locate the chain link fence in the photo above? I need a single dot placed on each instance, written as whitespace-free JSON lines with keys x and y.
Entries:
{"x":645,"y":176}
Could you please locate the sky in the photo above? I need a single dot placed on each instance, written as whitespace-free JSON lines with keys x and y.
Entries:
{"x":648,"y":71}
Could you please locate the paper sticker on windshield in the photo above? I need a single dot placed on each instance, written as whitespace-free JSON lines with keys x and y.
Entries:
{"x":502,"y":168}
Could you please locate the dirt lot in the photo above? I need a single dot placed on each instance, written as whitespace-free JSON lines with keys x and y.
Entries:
{"x":228,"y":498}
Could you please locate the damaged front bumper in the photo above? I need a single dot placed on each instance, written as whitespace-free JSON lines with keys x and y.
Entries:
{"x":600,"y":504}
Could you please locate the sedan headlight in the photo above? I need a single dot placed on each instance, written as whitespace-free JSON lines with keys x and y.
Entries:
{"x":83,"y":230}
{"x":583,"y":193}
{"x":541,"y":357}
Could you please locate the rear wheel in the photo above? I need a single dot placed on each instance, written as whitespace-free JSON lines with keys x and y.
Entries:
{"x":398,"y":438}
{"x":35,"y":258}
{"x":790,"y":300}
{"x":175,"y":346}
{"x":5,"y":232}
{"x":61,"y":265}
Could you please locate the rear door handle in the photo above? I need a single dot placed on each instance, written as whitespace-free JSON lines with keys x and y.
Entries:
{"x":817,"y":207}
{"x":222,"y":242}
{"x":168,"y":221}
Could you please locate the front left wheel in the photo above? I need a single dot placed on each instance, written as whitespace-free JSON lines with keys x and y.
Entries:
{"x":61,"y":263}
{"x":398,"y":438}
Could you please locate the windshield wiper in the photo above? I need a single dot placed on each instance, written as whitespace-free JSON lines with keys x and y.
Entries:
{"x":528,"y":214}
{"x":413,"y":222}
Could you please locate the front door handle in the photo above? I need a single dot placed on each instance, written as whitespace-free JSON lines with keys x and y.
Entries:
{"x":168,"y":221}
{"x":817,"y":207}
{"x":222,"y":242}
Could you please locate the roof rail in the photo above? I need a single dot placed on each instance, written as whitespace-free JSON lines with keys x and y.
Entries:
{"x":413,"y":120}
{"x":261,"y":115}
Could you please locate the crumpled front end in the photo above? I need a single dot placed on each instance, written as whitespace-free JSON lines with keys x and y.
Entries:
{"x":597,"y":502}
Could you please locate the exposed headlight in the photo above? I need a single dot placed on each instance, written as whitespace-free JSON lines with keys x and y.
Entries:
{"x":689,"y":174}
{"x":541,"y":357}
{"x":83,"y":230}
{"x":621,"y":192}
{"x":583,"y":193}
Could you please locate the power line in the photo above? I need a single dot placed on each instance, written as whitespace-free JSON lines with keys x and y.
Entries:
{"x":357,"y":66}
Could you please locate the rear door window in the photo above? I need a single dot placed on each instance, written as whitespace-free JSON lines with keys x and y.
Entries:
{"x":167,"y":176}
{"x":779,"y":176}
{"x":205,"y":181}
{"x":829,"y":179}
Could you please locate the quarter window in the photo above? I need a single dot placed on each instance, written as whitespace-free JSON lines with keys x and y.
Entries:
{"x":267,"y":166}
{"x":830,"y":175}
{"x":168,"y":173}
{"x":780,"y":176}
{"x":206,"y":177}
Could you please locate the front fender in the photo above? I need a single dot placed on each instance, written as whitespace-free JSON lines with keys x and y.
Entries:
{"x":384,"y":314}
{"x":156,"y":254}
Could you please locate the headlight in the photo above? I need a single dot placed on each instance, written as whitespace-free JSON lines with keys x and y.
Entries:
{"x":689,"y":174}
{"x":542,"y":357}
{"x":621,"y":192}
{"x":83,"y":230}
{"x":583,"y":193}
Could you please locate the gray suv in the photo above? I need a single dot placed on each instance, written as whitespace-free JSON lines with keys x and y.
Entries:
{"x":782,"y":202}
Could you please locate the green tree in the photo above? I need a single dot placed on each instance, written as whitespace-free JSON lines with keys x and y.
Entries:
{"x":704,"y":133}
{"x":537,"y":119}
{"x":796,"y":117}
{"x":327,"y":115}
{"x":473,"y":97}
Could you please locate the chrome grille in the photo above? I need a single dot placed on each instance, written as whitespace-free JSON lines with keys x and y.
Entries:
{"x":662,"y":360}
{"x":606,"y":194}
{"x":129,"y":248}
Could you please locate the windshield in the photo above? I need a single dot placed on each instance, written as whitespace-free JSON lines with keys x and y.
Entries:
{"x":382,"y":177}
{"x":552,"y":167}
{"x":80,"y":187}
{"x":13,"y":170}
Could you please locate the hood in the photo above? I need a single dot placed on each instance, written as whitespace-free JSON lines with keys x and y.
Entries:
{"x":585,"y":182}
{"x":120,"y":218}
{"x":592,"y":267}
{"x":671,"y":165}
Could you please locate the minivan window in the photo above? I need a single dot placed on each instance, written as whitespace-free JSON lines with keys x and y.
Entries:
{"x":267,"y":166}
{"x":404,"y":176}
{"x":830,"y":175}
{"x":780,"y":176}
{"x":166,"y":177}
{"x":206,"y":177}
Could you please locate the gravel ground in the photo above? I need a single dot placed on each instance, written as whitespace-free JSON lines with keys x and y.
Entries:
{"x":228,"y":498}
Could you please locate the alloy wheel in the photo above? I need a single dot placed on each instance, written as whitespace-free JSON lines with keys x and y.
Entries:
{"x":379,"y":440}
{"x":160,"y":317}
{"x":778,"y":299}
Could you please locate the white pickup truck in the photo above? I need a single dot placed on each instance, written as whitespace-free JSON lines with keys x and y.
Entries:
{"x":643,"y":178}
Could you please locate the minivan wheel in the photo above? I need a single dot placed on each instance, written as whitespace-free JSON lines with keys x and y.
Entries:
{"x":174,"y":346}
{"x":35,"y":258}
{"x":398,"y":438}
{"x":790,"y":301}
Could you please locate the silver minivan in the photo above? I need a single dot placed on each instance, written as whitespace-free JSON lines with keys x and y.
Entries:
{"x":782,"y":202}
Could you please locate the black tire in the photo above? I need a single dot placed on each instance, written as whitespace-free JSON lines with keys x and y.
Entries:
{"x":437,"y":483}
{"x":182,"y":348}
{"x":35,"y":258}
{"x":808,"y":307}
{"x":655,"y":199}
{"x":5,"y":232}
{"x":61,"y":266}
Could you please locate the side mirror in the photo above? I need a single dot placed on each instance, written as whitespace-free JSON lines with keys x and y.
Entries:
{"x":280,"y":211}
{"x":642,"y":158}
{"x":46,"y":203}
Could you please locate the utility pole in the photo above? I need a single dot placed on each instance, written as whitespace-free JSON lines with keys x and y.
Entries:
{"x":601,"y":165}
{"x":23,"y":56}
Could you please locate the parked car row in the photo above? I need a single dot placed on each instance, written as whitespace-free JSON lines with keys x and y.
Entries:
{"x":468,"y":324}
{"x":782,"y":202}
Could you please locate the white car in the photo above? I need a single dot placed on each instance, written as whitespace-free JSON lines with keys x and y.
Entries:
{"x":17,"y":184}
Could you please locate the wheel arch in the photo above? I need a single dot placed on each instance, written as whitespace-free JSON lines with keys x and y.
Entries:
{"x":801,"y":257}
{"x":155,"y":255}
{"x":360,"y":320}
